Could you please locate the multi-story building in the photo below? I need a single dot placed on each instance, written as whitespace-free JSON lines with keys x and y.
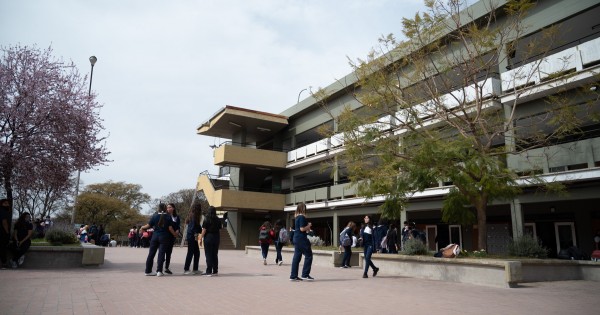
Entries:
{"x":274,"y":161}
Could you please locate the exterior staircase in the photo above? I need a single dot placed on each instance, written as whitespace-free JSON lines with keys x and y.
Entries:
{"x":226,"y":242}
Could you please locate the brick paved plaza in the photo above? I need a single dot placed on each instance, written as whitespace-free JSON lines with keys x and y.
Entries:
{"x":246,"y":286}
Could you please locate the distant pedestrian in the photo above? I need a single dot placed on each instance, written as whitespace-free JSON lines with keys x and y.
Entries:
{"x":281,"y":239}
{"x":191,"y":236}
{"x":346,"y":243}
{"x":210,"y":238}
{"x":132,"y":236}
{"x":163,"y":230}
{"x":369,"y":246}
{"x":392,"y":239}
{"x":302,"y":245}
{"x":265,"y":239}
{"x":176,"y":223}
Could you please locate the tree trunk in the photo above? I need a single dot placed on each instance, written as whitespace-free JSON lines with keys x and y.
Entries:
{"x":481,"y":225}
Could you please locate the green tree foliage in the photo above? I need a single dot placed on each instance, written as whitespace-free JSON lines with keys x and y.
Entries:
{"x":425,"y":113}
{"x":116,"y":205}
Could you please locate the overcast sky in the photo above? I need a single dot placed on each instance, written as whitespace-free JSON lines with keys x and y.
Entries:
{"x":164,"y":67}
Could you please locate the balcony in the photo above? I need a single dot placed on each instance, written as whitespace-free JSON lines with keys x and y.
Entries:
{"x":339,"y":191}
{"x":238,"y":155}
{"x":540,"y":75}
{"x":556,"y":158}
{"x":220,"y":196}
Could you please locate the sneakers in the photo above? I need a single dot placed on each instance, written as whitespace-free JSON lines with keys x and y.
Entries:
{"x":21,"y":260}
{"x":207,"y":274}
{"x":264,"y":262}
{"x":196,"y":272}
{"x":375,"y":271}
{"x":159,"y":274}
{"x":295,"y":279}
{"x":308,"y":278}
{"x":150,"y":274}
{"x":280,"y":263}
{"x":187,"y":272}
{"x":167,"y":271}
{"x":365,"y":275}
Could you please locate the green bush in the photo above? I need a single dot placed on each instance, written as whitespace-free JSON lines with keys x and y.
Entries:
{"x":527,"y":246}
{"x":59,"y":235}
{"x":414,"y":247}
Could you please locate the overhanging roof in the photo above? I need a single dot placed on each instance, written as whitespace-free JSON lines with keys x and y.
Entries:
{"x":230,"y":120}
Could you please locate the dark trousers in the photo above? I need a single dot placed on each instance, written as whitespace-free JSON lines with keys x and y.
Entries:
{"x":158,"y":243}
{"x":169,"y":251}
{"x":302,"y":247}
{"x":368,"y":252}
{"x":193,"y":251}
{"x":278,"y":247}
{"x":21,"y":250}
{"x":4,"y":238}
{"x":347,"y":255}
{"x":211,"y":252}
{"x":264,"y":247}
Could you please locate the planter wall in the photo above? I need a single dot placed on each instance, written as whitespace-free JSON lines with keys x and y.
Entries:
{"x":51,"y":257}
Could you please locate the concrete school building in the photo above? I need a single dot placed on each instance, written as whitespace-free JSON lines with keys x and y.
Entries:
{"x":274,"y":161}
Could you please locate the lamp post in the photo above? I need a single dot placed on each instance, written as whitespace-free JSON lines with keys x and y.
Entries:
{"x":93,"y":60}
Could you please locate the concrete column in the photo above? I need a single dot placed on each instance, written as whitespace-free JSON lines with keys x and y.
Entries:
{"x":402,"y":218}
{"x":516,"y":215}
{"x":336,"y":233}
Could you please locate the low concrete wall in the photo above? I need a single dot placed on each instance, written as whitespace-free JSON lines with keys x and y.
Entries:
{"x":52,"y":257}
{"x":535,"y":270}
{"x":488,"y":272}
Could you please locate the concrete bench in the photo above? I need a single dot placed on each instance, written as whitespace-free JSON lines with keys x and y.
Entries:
{"x":51,"y":257}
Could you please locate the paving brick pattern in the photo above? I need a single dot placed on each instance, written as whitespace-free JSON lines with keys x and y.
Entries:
{"x":246,"y":286}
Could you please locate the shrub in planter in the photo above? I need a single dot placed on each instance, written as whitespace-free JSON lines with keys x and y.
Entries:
{"x":315,"y":241}
{"x":58,"y":235}
{"x":414,"y":247}
{"x":527,"y":246}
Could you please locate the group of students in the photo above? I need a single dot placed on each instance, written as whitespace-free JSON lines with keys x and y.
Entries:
{"x":166,"y":226}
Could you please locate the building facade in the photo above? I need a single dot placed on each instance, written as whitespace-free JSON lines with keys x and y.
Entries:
{"x":274,"y":161}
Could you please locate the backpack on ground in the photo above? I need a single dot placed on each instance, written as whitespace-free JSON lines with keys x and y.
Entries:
{"x":450,"y":251}
{"x":263,"y":235}
{"x":284,"y":236}
{"x":345,"y":240}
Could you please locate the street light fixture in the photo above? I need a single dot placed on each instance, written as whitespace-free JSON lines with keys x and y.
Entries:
{"x":93,"y":60}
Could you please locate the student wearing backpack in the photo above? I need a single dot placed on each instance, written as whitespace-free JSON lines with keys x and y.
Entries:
{"x":346,"y":243}
{"x":265,"y":238}
{"x":282,"y":239}
{"x":301,"y":245}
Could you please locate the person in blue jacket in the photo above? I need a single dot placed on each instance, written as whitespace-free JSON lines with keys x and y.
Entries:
{"x":301,"y":245}
{"x":193,"y":230}
{"x":366,"y":234}
{"x":163,"y":231}
{"x":176,"y":222}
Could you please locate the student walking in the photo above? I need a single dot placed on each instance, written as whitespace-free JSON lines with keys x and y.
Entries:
{"x":210,"y":238}
{"x":5,"y":222}
{"x":346,"y":243}
{"x":282,"y":238}
{"x":302,"y":245}
{"x":161,"y":237}
{"x":368,"y":241}
{"x":176,"y":223}
{"x":265,"y":238}
{"x":191,"y":237}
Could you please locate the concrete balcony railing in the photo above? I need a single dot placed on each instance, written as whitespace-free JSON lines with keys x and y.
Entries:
{"x":238,"y":155}
{"x":561,"y":157}
{"x":335,"y":192}
{"x":239,"y":199}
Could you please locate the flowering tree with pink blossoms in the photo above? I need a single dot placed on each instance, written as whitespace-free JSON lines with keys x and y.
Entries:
{"x":49,"y":125}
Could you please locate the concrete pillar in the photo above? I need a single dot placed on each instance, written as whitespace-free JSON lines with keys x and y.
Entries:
{"x":336,"y":233}
{"x":403,"y":217}
{"x":516,"y":216}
